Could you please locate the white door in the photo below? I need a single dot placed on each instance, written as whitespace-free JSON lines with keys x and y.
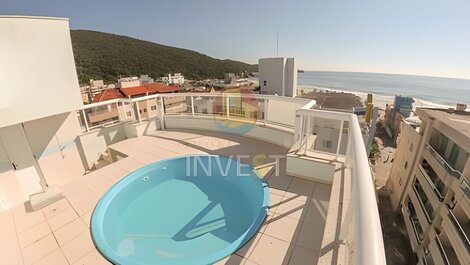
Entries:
{"x":22,"y":161}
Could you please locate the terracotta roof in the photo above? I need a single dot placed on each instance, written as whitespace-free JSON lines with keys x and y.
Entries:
{"x":134,"y":91}
{"x":161,"y":88}
{"x":151,"y":88}
{"x":107,"y":94}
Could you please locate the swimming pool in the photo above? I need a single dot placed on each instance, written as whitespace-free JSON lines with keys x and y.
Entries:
{"x":184,"y":210}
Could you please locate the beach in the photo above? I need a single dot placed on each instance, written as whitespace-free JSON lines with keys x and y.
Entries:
{"x":378,"y":100}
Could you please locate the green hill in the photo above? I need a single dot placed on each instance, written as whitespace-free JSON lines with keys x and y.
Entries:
{"x":107,"y":56}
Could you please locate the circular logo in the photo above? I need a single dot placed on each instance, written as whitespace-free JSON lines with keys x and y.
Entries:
{"x":237,"y":111}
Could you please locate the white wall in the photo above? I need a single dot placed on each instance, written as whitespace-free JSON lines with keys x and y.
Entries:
{"x":276,"y":136}
{"x":282,"y":111}
{"x":271,"y":71}
{"x":53,"y":142}
{"x":37,"y":69}
{"x":290,"y":87}
{"x":310,"y":169}
{"x":92,"y":144}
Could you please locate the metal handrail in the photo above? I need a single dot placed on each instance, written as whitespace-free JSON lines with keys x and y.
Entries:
{"x":433,"y":187}
{"x":462,"y":233}
{"x":441,"y":249}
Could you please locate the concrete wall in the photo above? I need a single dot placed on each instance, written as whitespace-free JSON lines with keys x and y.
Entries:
{"x":92,"y":144}
{"x":271,"y":76}
{"x":276,"y":136}
{"x":407,"y":149}
{"x":38,"y":75}
{"x":290,"y":73}
{"x":310,"y":169}
{"x":52,"y":141}
{"x":283,"y":112}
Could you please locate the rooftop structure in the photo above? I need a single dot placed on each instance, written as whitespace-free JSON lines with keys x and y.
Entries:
{"x":323,"y":203}
{"x":278,"y":76}
{"x":429,"y":185}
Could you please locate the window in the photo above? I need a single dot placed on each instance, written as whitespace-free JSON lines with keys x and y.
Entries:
{"x":145,"y":110}
{"x":154,"y":107}
{"x":140,"y":111}
{"x":406,"y":164}
{"x":327,"y":144}
{"x":265,"y":83}
{"x":128,"y":114}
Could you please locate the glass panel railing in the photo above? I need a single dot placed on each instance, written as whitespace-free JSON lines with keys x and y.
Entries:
{"x":437,"y":192}
{"x":461,"y":231}
{"x":465,"y":187}
{"x":442,"y":251}
{"x":424,"y":201}
{"x":443,"y":162}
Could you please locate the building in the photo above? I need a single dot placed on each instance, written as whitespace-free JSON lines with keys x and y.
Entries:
{"x":323,"y":206}
{"x":278,"y":76}
{"x":145,"y":79}
{"x":429,"y":185}
{"x":403,"y":105}
{"x":128,"y":82}
{"x":176,"y":79}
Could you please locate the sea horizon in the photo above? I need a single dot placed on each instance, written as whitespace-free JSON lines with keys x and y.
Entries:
{"x":439,"y":91}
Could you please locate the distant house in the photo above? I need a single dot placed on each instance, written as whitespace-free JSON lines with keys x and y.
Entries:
{"x":128,"y":82}
{"x":145,"y":79}
{"x":176,"y":79}
{"x":147,"y":108}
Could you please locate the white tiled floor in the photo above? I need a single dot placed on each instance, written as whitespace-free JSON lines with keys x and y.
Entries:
{"x":59,"y":233}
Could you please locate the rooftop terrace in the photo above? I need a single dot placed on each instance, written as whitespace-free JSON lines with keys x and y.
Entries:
{"x":323,"y":201}
{"x":59,"y":233}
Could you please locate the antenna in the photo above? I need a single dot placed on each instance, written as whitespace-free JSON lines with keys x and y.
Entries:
{"x":277,"y":44}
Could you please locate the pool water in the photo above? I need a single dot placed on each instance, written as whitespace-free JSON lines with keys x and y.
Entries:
{"x":185,"y":210}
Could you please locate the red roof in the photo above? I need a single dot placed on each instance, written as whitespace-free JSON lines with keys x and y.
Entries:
{"x":161,"y":88}
{"x":151,"y":88}
{"x":107,"y":94}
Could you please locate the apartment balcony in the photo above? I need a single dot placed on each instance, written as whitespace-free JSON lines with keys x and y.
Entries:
{"x":457,"y":233}
{"x":424,"y":208}
{"x":428,"y":194}
{"x":327,"y":215}
{"x":412,"y":224}
{"x":435,"y":183}
{"x":443,"y":162}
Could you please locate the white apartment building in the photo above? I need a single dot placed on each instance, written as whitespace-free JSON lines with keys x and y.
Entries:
{"x":176,"y":79}
{"x":429,"y":185}
{"x":278,"y":76}
{"x":128,"y":82}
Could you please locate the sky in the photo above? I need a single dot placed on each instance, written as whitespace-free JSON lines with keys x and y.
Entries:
{"x":422,"y":37}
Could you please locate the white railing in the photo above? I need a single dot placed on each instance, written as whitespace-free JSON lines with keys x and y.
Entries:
{"x":364,"y":232}
{"x":269,"y":109}
{"x":365,"y":240}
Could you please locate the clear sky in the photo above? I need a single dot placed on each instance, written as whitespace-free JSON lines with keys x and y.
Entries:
{"x":424,"y":37}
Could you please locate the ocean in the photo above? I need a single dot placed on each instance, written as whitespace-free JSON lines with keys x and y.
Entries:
{"x":433,"y":90}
